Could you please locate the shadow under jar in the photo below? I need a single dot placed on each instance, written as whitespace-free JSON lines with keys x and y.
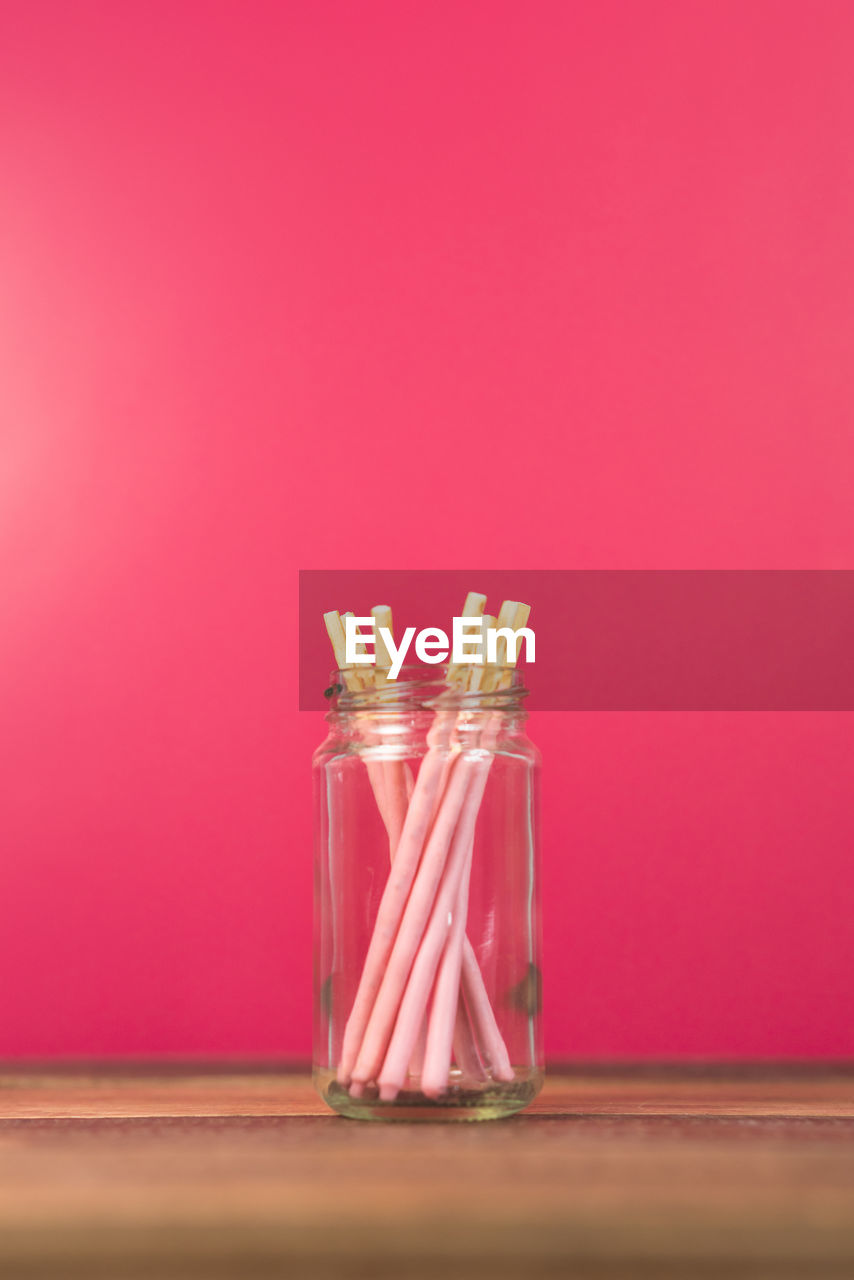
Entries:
{"x":427,"y":911}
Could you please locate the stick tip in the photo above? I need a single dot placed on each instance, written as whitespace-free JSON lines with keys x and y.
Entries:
{"x":431,"y":1090}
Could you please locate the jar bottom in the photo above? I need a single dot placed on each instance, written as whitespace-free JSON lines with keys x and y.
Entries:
{"x":461,"y":1102}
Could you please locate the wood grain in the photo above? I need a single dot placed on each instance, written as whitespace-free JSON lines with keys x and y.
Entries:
{"x":635,"y":1172}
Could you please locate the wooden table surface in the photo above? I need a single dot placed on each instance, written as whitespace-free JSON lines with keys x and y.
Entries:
{"x":642,"y":1172}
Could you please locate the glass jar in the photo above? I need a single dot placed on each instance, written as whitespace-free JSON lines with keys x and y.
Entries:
{"x":427,"y":913}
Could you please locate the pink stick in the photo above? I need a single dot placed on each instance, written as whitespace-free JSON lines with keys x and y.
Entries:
{"x":446,"y":995}
{"x":392,"y":783}
{"x":394,"y":789}
{"x":482,"y":1016}
{"x":481,"y":1023}
{"x":428,"y":953}
{"x":465,"y":1046}
{"x":393,"y":902}
{"x":443,"y":781}
{"x":416,"y":1062}
{"x":399,"y":784}
{"x":376,"y":777}
{"x":465,"y":1036}
{"x":396,"y":800}
{"x":487,"y":1031}
{"x":415,"y":917}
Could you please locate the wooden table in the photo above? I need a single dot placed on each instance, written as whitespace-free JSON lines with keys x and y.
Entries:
{"x":612,"y":1172}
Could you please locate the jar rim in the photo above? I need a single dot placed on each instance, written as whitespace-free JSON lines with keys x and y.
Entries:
{"x":417,"y":685}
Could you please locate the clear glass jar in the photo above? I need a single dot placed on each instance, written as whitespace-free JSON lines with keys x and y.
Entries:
{"x":427,"y":912}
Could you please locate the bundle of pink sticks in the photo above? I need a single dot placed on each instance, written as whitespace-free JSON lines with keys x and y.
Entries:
{"x":422,"y":1003}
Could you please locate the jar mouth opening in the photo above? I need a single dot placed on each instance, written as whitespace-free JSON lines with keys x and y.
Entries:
{"x":360,"y":688}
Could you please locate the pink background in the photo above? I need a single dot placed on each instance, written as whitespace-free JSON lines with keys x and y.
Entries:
{"x":305,"y":285}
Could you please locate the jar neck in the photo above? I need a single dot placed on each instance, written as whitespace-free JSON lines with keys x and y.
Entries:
{"x":419,"y":692}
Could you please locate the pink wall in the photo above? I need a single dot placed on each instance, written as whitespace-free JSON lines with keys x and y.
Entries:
{"x":303,"y":285}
